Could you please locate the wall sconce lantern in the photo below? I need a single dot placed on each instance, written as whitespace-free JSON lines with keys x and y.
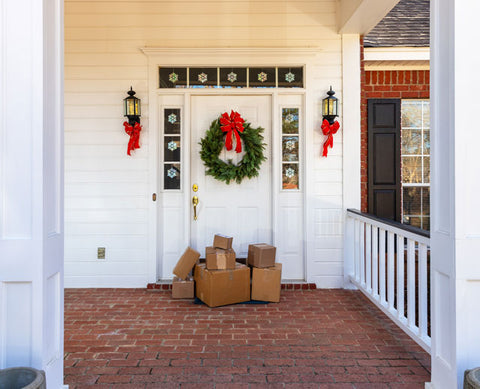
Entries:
{"x":132,"y":127}
{"x":329,"y":125}
{"x":133,"y":107}
{"x":330,"y":107}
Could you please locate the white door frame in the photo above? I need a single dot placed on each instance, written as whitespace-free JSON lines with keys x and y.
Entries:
{"x":168,"y":57}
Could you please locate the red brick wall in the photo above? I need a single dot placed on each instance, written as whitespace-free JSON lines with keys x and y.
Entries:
{"x":386,"y":84}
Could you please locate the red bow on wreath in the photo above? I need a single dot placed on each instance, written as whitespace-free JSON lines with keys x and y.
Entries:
{"x":232,"y":124}
{"x":134,"y":132}
{"x":329,"y":129}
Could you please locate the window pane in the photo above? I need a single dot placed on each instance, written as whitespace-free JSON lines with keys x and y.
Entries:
{"x":414,"y":221}
{"x":171,"y":121}
{"x":289,"y":176}
{"x":412,"y":113}
{"x":426,"y":142}
{"x":262,"y":77}
{"x":172,"y":149}
{"x":412,"y":201}
{"x":290,"y":120}
{"x":203,"y":77}
{"x":233,"y":77}
{"x":411,"y":141}
{"x":172,"y":176}
{"x":426,"y":169}
{"x":426,"y":201}
{"x":426,"y":223}
{"x":426,"y":114}
{"x":412,"y":169}
{"x":290,"y":77}
{"x":290,"y":148}
{"x":173,"y":77}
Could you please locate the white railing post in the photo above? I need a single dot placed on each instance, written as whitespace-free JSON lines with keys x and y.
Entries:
{"x":349,"y":254}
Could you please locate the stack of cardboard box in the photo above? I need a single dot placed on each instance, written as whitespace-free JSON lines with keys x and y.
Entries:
{"x":183,"y":285}
{"x":266,"y":274}
{"x":221,"y":280}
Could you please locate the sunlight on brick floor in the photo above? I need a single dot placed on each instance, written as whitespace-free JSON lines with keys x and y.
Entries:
{"x":134,"y":338}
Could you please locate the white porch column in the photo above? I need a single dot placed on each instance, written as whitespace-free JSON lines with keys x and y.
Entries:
{"x":31,"y":186}
{"x":455,"y":190}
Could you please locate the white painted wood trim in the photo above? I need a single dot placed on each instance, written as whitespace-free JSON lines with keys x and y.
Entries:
{"x":250,"y":52}
{"x":351,"y":135}
{"x":397,"y":54}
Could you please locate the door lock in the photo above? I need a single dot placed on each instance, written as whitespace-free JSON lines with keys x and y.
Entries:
{"x":195,"y":187}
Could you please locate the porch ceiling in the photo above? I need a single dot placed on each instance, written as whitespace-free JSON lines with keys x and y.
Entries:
{"x":360,"y":16}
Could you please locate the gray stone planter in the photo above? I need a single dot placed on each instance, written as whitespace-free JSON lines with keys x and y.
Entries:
{"x":472,"y":379}
{"x":22,"y":378}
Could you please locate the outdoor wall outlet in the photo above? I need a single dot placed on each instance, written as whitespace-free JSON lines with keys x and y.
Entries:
{"x":101,"y":253}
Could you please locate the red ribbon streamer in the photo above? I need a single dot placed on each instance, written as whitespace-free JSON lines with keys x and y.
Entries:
{"x":232,"y":124}
{"x":329,"y":129}
{"x":134,"y":132}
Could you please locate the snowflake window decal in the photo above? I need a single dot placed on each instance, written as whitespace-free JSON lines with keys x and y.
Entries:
{"x":262,"y":77}
{"x":172,"y":173}
{"x":173,"y":77}
{"x":232,"y":77}
{"x":290,"y":144}
{"x":172,"y":118}
{"x":172,"y":146}
{"x":203,"y":78}
{"x":289,"y":172}
{"x":289,"y":118}
{"x":289,"y":77}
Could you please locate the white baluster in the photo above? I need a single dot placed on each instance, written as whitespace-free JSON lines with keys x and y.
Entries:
{"x":381,"y":266}
{"x":422,"y":290}
{"x":356,"y":250}
{"x":391,"y":270}
{"x":400,"y":277}
{"x":411,"y":283}
{"x":368,"y":257}
{"x":375,"y":261}
{"x":362,"y":253}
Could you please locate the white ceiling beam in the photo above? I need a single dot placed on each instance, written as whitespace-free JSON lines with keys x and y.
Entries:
{"x":360,"y":16}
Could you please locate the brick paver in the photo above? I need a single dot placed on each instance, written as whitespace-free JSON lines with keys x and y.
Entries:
{"x":135,"y":338}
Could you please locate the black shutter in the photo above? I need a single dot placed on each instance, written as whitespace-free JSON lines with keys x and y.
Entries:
{"x":384,"y":142}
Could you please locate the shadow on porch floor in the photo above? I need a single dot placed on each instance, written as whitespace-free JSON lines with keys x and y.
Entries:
{"x":135,"y":338}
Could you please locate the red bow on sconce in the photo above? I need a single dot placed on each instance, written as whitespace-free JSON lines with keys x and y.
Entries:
{"x":134,"y":132}
{"x":329,"y":129}
{"x":232,"y":124}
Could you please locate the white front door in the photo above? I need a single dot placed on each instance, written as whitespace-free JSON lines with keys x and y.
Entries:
{"x":244,"y":210}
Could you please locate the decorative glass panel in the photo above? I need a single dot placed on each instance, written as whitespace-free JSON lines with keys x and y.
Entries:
{"x":173,"y":77}
{"x":290,"y":77}
{"x":171,"y":120}
{"x":262,"y":78}
{"x":412,"y":169}
{"x":290,"y":148}
{"x":172,"y":149}
{"x":233,"y":77}
{"x":411,"y":141}
{"x":290,"y":176}
{"x":203,"y":77}
{"x":172,"y":176}
{"x":290,"y":120}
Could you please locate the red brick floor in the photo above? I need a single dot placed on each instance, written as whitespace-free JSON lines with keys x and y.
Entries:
{"x":134,"y":338}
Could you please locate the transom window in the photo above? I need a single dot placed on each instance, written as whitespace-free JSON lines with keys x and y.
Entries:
{"x":416,"y":163}
{"x":231,"y":77}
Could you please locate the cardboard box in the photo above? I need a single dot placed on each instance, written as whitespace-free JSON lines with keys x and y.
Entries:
{"x":266,"y":283}
{"x":186,"y":263}
{"x":183,"y":289}
{"x":222,"y":287}
{"x":222,"y":242}
{"x":261,"y":255}
{"x":219,"y":259}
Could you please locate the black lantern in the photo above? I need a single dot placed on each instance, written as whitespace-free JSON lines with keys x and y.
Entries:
{"x":132,"y":107}
{"x":330,"y":107}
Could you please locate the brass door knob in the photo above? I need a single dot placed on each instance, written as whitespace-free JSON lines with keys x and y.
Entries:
{"x":195,"y":203}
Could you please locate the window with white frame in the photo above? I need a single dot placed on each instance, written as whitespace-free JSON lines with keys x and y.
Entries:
{"x":416,"y":163}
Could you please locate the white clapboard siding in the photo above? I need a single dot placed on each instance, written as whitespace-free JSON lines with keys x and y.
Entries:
{"x":107,"y":196}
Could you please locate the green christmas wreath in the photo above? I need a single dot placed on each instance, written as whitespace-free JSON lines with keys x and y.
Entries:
{"x":213,"y":143}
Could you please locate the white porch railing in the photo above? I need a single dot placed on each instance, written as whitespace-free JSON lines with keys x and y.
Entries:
{"x":389,"y":263}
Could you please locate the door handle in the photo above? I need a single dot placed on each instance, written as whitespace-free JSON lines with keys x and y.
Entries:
{"x":195,"y":203}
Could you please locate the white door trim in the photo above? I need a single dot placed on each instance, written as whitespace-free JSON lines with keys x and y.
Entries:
{"x":198,"y":57}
